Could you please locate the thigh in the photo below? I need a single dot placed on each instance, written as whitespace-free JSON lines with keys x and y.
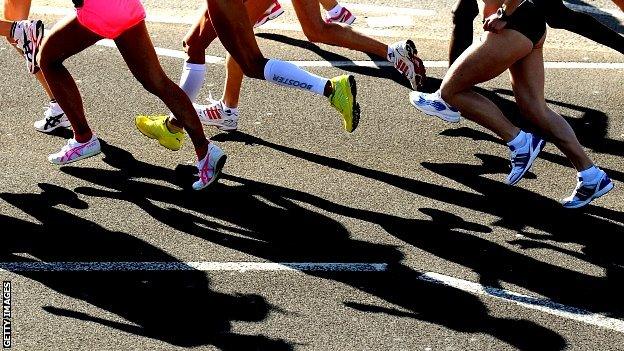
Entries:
{"x":137,"y":50}
{"x":16,"y":10}
{"x":67,"y":39}
{"x":486,"y":60}
{"x":527,"y":80}
{"x":231,"y":22}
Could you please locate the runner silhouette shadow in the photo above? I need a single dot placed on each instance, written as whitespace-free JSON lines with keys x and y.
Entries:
{"x":177,"y":307}
{"x":386,"y":72}
{"x":541,"y":214}
{"x":302,"y":235}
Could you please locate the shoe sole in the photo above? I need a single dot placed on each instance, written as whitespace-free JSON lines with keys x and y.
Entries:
{"x":356,"y":106}
{"x":63,"y":124}
{"x":593,"y":197}
{"x":155,"y":138}
{"x":348,"y":23}
{"x":217,"y":173}
{"x":82,"y":157}
{"x":32,"y":66}
{"x":431,"y":113}
{"x":270,"y":18}
{"x":531,"y":160}
{"x":412,"y":52}
{"x":218,"y":126}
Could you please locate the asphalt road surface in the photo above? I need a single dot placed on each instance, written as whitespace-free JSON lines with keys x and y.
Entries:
{"x":401,"y":236}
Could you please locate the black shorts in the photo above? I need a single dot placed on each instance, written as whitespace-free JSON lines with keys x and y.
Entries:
{"x":529,"y":20}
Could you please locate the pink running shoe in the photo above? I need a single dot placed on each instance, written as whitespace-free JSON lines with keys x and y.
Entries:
{"x":75,"y":151}
{"x":210,"y":167}
{"x":345,"y":16}
{"x":273,"y":12}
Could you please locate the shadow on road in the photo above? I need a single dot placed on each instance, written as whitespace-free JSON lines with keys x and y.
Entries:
{"x":177,"y":307}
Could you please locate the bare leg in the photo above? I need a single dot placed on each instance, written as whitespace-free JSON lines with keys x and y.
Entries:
{"x":17,"y":10}
{"x":233,"y":82}
{"x":5,"y":28}
{"x":317,"y":31}
{"x":328,"y":4}
{"x":68,"y":39}
{"x":527,"y":78}
{"x":138,"y":51}
{"x":480,"y":63}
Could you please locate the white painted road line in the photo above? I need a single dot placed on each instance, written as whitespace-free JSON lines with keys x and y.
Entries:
{"x":372,"y":64}
{"x":543,"y":305}
{"x":539,"y":304}
{"x":189,"y":266}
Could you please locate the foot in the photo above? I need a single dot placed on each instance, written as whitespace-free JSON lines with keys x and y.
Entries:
{"x":53,"y":118}
{"x":75,"y":151}
{"x":523,"y":157}
{"x":344,"y":99}
{"x":210,"y":167}
{"x":585,"y":191}
{"x":28,"y":35}
{"x":433,"y":105}
{"x":218,"y":115}
{"x":155,"y":127}
{"x":403,"y":55}
{"x":345,"y":16}
{"x":273,"y":12}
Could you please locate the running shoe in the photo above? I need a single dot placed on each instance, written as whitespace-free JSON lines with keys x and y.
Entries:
{"x":433,"y":105}
{"x":585,"y":192}
{"x":28,"y":35}
{"x":273,"y":12}
{"x":210,"y":166}
{"x":75,"y":151}
{"x":522,"y":158}
{"x":403,"y":55}
{"x":345,"y":16}
{"x":53,"y":118}
{"x":155,"y":127}
{"x":217,"y":115}
{"x":344,"y":99}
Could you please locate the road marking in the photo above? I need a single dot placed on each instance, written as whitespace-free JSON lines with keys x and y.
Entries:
{"x":539,"y":304}
{"x":534,"y":303}
{"x":189,"y":266}
{"x":373,"y":64}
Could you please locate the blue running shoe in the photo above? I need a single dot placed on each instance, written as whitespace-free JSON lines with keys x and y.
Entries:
{"x":584,"y":193}
{"x":522,"y":158}
{"x":433,"y":105}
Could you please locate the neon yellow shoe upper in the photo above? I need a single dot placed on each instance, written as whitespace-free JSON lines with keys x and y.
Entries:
{"x":343,"y":99}
{"x":155,"y":127}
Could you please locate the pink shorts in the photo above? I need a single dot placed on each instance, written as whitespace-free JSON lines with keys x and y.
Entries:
{"x":110,"y":18}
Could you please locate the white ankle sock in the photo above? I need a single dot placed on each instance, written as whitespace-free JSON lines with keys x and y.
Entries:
{"x":519,"y":141}
{"x":335,"y":11}
{"x":192,"y":79}
{"x":590,"y":175}
{"x":289,"y":75}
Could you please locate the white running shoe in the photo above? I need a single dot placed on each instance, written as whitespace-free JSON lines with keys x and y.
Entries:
{"x":28,"y":35}
{"x":345,"y":16}
{"x":433,"y":105}
{"x":273,"y":12}
{"x":218,"y":115}
{"x":403,"y":55}
{"x":75,"y":151}
{"x":210,"y":166}
{"x":54,"y":117}
{"x":522,"y":158}
{"x":585,"y":192}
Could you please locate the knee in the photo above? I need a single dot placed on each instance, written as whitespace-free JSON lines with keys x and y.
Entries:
{"x":252,"y":68}
{"x":315,"y":32}
{"x":47,"y":61}
{"x":465,"y":12}
{"x":195,"y":49}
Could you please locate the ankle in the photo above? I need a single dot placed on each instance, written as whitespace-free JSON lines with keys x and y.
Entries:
{"x":83,"y":137}
{"x":172,"y":125}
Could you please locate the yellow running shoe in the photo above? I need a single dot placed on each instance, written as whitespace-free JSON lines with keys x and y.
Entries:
{"x":343,"y":99}
{"x":155,"y":127}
